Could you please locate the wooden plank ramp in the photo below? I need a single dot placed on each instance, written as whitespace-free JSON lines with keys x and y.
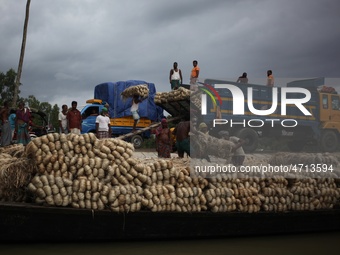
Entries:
{"x":142,"y":130}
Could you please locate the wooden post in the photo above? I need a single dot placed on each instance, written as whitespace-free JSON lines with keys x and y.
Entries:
{"x":21,"y":60}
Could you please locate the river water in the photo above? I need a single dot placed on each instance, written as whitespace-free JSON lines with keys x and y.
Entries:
{"x":315,"y":243}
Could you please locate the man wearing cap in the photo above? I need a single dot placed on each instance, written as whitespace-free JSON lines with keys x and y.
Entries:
{"x":203,"y":128}
{"x":238,"y":153}
{"x":103,"y":129}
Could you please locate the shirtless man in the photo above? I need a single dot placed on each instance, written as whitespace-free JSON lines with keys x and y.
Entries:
{"x":182,"y":136}
{"x":6,"y":132}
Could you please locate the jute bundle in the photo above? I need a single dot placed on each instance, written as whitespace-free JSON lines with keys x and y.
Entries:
{"x":15,"y":174}
{"x":196,"y":99}
{"x":14,"y":150}
{"x":175,"y":95}
{"x":173,"y":189}
{"x":311,"y":194}
{"x":125,"y":198}
{"x":221,"y":199}
{"x":77,"y":155}
{"x":140,"y":90}
{"x":275,"y":195}
{"x":205,"y":144}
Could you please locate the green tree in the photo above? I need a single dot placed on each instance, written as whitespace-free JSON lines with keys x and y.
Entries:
{"x":54,"y":117}
{"x":7,"y":85}
{"x":51,"y":112}
{"x":33,"y":102}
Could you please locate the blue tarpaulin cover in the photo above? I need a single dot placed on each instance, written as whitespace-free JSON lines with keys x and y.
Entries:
{"x":110,"y":92}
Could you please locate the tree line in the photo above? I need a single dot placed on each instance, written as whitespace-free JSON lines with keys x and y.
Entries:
{"x":7,"y":90}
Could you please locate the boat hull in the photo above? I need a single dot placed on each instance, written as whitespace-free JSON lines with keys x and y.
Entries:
{"x":32,"y":223}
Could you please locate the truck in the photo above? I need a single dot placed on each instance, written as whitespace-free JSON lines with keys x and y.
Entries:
{"x":121,"y":120}
{"x":293,"y":127}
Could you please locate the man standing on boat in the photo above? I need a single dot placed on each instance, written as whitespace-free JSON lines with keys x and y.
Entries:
{"x":62,"y":117}
{"x":163,"y":140}
{"x":6,"y":133}
{"x":103,"y":129}
{"x":23,"y":117}
{"x":270,"y":78}
{"x":194,"y":75}
{"x":74,"y":119}
{"x":175,"y":77}
{"x":182,"y":133}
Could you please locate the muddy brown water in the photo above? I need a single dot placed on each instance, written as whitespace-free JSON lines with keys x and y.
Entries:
{"x":312,"y":243}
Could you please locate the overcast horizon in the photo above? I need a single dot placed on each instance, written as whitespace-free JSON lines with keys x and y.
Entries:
{"x":74,"y":45}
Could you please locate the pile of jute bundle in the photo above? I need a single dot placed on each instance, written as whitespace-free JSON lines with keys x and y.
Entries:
{"x":286,"y":158}
{"x":167,"y":197}
{"x":84,"y":172}
{"x":274,"y":194}
{"x":233,"y":193}
{"x":196,"y":99}
{"x":140,"y":90}
{"x":172,"y":188}
{"x":54,"y":190}
{"x":205,"y":144}
{"x":219,"y":195}
{"x":256,"y":160}
{"x":15,"y":173}
{"x":172,"y":96}
{"x":247,"y":192}
{"x":307,"y":165}
{"x":311,"y":194}
{"x":83,"y":193}
{"x":81,"y":171}
{"x":14,"y":150}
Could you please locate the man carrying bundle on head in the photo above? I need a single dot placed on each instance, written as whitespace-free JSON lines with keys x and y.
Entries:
{"x":134,"y":110}
{"x":138,"y":94}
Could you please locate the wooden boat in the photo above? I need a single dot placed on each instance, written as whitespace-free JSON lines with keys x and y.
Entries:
{"x":20,"y":222}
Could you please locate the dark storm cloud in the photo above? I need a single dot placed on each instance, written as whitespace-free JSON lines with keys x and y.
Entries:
{"x":74,"y":45}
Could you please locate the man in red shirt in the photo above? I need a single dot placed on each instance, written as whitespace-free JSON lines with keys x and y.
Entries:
{"x":74,"y":119}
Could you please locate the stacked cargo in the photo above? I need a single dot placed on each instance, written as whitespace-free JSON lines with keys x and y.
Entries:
{"x":81,"y":171}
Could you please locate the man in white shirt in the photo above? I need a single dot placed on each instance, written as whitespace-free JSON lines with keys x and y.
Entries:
{"x":175,"y":77}
{"x":103,"y":129}
{"x":63,"y":120}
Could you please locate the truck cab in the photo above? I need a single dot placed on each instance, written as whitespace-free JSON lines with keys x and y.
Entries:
{"x":329,"y":120}
{"x":119,"y":126}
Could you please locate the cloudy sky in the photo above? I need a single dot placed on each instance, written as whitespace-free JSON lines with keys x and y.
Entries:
{"x":73,"y":45}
